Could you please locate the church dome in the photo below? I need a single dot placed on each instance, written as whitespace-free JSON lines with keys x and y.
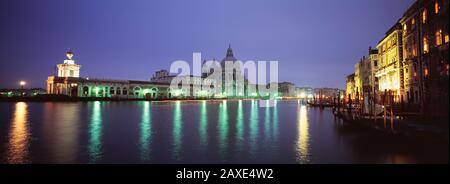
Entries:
{"x":229,"y":56}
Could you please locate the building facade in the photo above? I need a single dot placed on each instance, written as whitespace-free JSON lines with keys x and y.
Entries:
{"x":426,"y":35}
{"x":390,"y":69}
{"x":350,"y":89}
{"x":286,"y":89}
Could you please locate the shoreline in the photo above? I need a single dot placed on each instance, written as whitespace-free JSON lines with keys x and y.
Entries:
{"x":60,"y":98}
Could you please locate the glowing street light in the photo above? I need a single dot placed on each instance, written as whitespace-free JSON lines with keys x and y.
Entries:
{"x":22,"y":83}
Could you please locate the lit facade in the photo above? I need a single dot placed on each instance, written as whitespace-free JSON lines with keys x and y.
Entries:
{"x":390,"y":69}
{"x":350,"y":88}
{"x":357,"y":79}
{"x":68,"y":68}
{"x":426,"y":36}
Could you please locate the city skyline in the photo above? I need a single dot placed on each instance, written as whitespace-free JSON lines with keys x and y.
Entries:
{"x":127,"y":41}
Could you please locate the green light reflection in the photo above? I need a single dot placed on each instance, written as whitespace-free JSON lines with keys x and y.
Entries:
{"x":177,"y":133}
{"x":146,"y":131}
{"x":275,"y":123}
{"x":223,"y":127}
{"x":95,"y":133}
{"x":203,"y":129}
{"x":239,"y":126}
{"x":253,"y":126}
{"x":267,"y":121}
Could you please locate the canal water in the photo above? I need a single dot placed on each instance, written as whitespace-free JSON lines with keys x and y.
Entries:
{"x":228,"y":131}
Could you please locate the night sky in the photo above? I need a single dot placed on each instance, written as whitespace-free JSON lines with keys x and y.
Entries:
{"x":317,"y":42}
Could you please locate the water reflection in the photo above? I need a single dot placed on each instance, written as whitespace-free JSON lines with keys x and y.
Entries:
{"x":177,"y":133}
{"x":223,"y":127}
{"x":146,"y":131}
{"x":64,"y":131}
{"x":19,"y":136}
{"x":275,"y":124}
{"x":267,"y":121}
{"x":253,"y":127}
{"x":239,"y":127}
{"x":203,"y":129}
{"x":95,"y":133}
{"x":302,"y":135}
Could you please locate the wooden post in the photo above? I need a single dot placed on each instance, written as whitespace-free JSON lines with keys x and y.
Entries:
{"x":384,"y":107}
{"x":392,"y":107}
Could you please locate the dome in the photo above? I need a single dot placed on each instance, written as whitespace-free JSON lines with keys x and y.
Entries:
{"x":69,"y":54}
{"x":229,"y":56}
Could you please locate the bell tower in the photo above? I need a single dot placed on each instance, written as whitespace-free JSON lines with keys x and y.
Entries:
{"x":69,"y":68}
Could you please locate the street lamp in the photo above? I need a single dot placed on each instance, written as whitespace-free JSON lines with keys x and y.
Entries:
{"x":22,"y":85}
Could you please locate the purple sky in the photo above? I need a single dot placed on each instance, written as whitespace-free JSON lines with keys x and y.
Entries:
{"x":316,"y":42}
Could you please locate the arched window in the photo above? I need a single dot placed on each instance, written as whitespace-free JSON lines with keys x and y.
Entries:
{"x":85,"y":91}
{"x":438,"y":37}
{"x":118,"y":91}
{"x":436,"y":7}
{"x":125,"y":91}
{"x":136,"y":91}
{"x":424,"y":16}
{"x":111,"y":91}
{"x":425,"y":45}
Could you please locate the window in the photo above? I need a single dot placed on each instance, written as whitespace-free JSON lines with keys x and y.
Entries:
{"x":111,"y":90}
{"x":118,"y":91}
{"x":85,"y":90}
{"x":446,"y":38}
{"x":413,"y":21}
{"x":425,"y":45}
{"x":436,"y":7}
{"x":426,"y":72}
{"x":71,"y":73}
{"x":124,"y":91}
{"x":439,"y":37}
{"x":424,"y":16}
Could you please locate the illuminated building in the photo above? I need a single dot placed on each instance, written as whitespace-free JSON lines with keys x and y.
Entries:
{"x":357,"y":79}
{"x":304,"y":92}
{"x":328,"y":93}
{"x":426,"y":57}
{"x":68,"y":82}
{"x":366,"y":83}
{"x":236,"y":76}
{"x":21,"y":92}
{"x":286,"y":89}
{"x":68,"y":68}
{"x":390,"y":69}
{"x":350,"y":86}
{"x":164,"y":77}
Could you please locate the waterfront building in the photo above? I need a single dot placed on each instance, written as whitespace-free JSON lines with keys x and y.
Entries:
{"x":164,"y":77}
{"x":22,"y":92}
{"x":328,"y":93}
{"x":426,"y":58}
{"x":350,"y":88}
{"x":68,"y":82}
{"x":286,"y":89}
{"x":357,"y":79}
{"x":367,"y":67}
{"x":390,"y":69}
{"x":304,"y":92}
{"x":236,"y":79}
{"x":68,"y":68}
